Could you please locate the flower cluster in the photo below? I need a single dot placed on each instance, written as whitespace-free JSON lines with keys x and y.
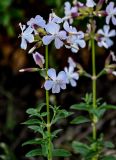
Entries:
{"x":60,"y":30}
{"x":64,"y":77}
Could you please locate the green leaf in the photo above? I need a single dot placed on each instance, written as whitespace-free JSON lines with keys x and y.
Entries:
{"x":36,"y":129}
{"x":80,"y":148}
{"x":60,"y":153}
{"x":33,"y":141}
{"x":43,"y":73}
{"x":79,"y":120}
{"x":108,"y":158}
{"x":31,"y":111}
{"x":32,"y":121}
{"x":40,"y":107}
{"x":91,"y":154}
{"x":33,"y":153}
{"x":108,"y":106}
{"x":44,"y":114}
{"x":98,"y":112}
{"x":56,"y":132}
{"x":45,"y":148}
{"x":60,"y":115}
{"x":109,"y":144}
{"x":81,"y":106}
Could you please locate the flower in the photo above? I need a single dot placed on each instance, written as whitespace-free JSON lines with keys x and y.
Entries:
{"x":54,"y":18}
{"x":105,"y":35}
{"x":54,"y":34}
{"x":68,"y":10}
{"x":71,"y":30}
{"x":113,"y":56}
{"x":26,"y":35}
{"x":39,"y":59}
{"x":71,"y":75}
{"x":114,"y":73}
{"x":55,"y":82}
{"x":75,"y":39}
{"x":38,"y":20}
{"x":90,"y":3}
{"x":71,"y":62}
{"x":111,"y":13}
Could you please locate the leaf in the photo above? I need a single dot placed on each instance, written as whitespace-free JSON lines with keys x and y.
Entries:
{"x":60,"y":153}
{"x":98,"y":112}
{"x":41,"y":106}
{"x":80,"y":148}
{"x":108,"y":158}
{"x":43,"y":73}
{"x":36,"y":129}
{"x":60,"y":115}
{"x":33,"y":141}
{"x":31,"y":111}
{"x":91,"y":154}
{"x":33,"y":153}
{"x":44,"y":114}
{"x":45,"y":148}
{"x":79,"y":120}
{"x":108,"y":106}
{"x":56,"y":132}
{"x":109,"y":144}
{"x":32,"y":121}
{"x":81,"y":106}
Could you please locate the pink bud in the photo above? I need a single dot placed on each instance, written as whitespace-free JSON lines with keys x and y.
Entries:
{"x":39,"y":59}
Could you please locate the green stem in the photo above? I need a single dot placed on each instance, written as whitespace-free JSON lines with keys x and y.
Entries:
{"x":94,"y":121}
{"x":94,"y":86}
{"x":48,"y":109}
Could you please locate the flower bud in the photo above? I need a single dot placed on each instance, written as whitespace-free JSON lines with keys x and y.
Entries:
{"x":29,"y":70}
{"x":39,"y":59}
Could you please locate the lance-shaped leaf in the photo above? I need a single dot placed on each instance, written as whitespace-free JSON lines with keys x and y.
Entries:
{"x":33,"y":153}
{"x":79,"y":120}
{"x":60,"y":153}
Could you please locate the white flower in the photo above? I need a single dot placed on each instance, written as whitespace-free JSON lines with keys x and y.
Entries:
{"x":90,"y":3}
{"x":55,"y":82}
{"x":68,"y":10}
{"x":72,"y":76}
{"x":26,"y":35}
{"x":75,"y":39}
{"x":105,"y":36}
{"x":71,"y":30}
{"x":54,"y":18}
{"x":113,"y":56}
{"x":114,"y":73}
{"x":38,"y":20}
{"x":111,"y":13}
{"x":54,"y":33}
{"x":71,"y":62}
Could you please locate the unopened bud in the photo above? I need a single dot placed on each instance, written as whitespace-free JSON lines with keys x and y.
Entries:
{"x":39,"y":59}
{"x":29,"y":70}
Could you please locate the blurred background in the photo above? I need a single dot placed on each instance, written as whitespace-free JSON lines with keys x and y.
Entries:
{"x":19,"y":91}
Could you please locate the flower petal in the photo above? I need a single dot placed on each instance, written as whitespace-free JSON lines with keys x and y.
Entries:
{"x":114,"y":20}
{"x":58,"y":43}
{"x":23,"y":43}
{"x":62,"y":35}
{"x":47,"y":39}
{"x":52,"y":73}
{"x":62,"y":76}
{"x":48,"y":84}
{"x":29,"y":38}
{"x":52,"y":28}
{"x":55,"y":88}
{"x":63,"y":85}
{"x":73,"y":83}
